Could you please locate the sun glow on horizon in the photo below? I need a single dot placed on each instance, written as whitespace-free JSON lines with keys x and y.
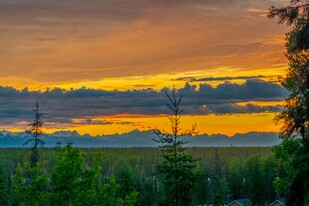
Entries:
{"x":206,"y":124}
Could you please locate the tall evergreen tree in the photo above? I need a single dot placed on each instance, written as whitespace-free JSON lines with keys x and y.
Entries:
{"x":36,"y":131}
{"x":177,"y":166}
{"x":295,"y":117}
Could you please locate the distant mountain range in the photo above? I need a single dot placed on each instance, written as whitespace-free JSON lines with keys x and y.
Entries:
{"x":138,"y":138}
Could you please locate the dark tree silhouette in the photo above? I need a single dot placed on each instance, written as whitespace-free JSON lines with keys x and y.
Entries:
{"x":295,"y":117}
{"x":296,"y":114}
{"x":36,"y":130}
{"x":177,"y":166}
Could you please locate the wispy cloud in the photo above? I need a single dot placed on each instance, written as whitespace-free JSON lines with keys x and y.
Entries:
{"x":208,"y":79}
{"x":71,"y":41}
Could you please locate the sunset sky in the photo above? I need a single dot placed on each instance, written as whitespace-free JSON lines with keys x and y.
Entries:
{"x":102,"y":66}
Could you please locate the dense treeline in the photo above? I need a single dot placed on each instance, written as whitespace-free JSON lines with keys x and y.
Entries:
{"x":71,"y":176}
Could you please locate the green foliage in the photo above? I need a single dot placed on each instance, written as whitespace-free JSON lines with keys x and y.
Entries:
{"x":296,"y":114}
{"x":73,"y":184}
{"x":30,"y":189}
{"x":66,"y":175}
{"x":131,"y":199}
{"x":109,"y":194}
{"x":237,"y":180}
{"x":103,"y":171}
{"x":125,"y":179}
{"x":87,"y":191}
{"x":202,"y":188}
{"x":221,"y":194}
{"x":177,"y":167}
{"x":269,"y":174}
{"x":17,"y":185}
{"x":253,"y":178}
{"x":293,"y":164}
{"x":148,"y":191}
{"x":4,"y":187}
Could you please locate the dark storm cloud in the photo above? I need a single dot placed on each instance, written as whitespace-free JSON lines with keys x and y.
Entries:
{"x":64,"y":105}
{"x":251,"y":90}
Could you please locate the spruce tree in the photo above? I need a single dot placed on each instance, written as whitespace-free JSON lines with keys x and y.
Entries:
{"x":177,"y":167}
{"x":36,"y":131}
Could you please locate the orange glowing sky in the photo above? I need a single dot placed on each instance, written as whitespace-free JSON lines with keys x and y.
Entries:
{"x":140,"y":44}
